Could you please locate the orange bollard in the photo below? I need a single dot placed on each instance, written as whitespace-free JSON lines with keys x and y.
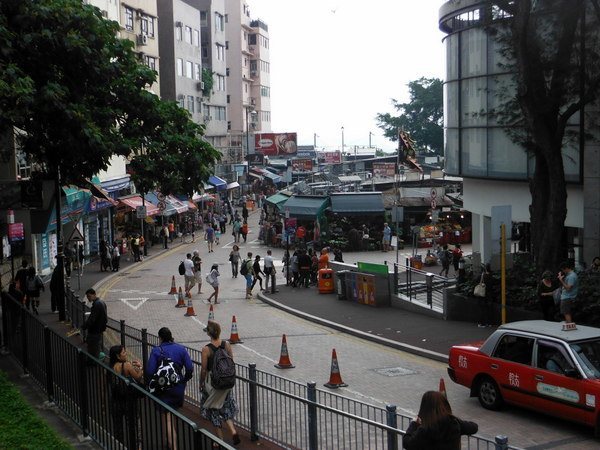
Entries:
{"x":173,"y":290}
{"x":180,"y":300}
{"x":211,"y":314}
{"x":190,"y":309}
{"x":234,"y":338}
{"x":442,"y":388}
{"x":284,"y":358}
{"x":335,"y":379}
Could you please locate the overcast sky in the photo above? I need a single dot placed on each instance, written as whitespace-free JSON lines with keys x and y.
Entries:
{"x":338,"y":63}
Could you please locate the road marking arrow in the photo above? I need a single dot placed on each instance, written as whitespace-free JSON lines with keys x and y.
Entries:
{"x":131,"y":302}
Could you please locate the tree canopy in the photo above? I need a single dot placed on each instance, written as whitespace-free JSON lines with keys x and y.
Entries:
{"x":422,"y":116}
{"x":77,"y":94}
{"x":552,"y":49}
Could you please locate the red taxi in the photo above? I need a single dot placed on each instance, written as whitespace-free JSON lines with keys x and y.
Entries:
{"x":537,"y":365}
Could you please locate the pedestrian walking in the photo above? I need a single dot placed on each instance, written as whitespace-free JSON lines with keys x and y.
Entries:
{"x":570,"y":287}
{"x":294,"y":268}
{"x":197,"y":269}
{"x":115,"y":256}
{"x":213,"y":279}
{"x":257,"y":272}
{"x":387,"y":237}
{"x":304,"y":263}
{"x":445,"y":256}
{"x":164,"y":233}
{"x":365,"y":238}
{"x":185,"y":368}
{"x":217,"y":404}
{"x":55,"y":290}
{"x":234,"y":259}
{"x":189,"y":278}
{"x":33,"y":286}
{"x":486,"y":302}
{"x":21,"y":276}
{"x":237,"y":226}
{"x":209,"y":236}
{"x":245,"y":212}
{"x":436,"y":428}
{"x":171,"y":226}
{"x":456,"y":257}
{"x":104,"y":256}
{"x":247,"y":272}
{"x":95,"y":324}
{"x":269,"y":269}
{"x":324,"y":259}
{"x":68,"y":260}
{"x":244,"y":230}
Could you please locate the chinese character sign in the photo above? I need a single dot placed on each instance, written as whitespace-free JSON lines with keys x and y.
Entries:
{"x":276,"y":144}
{"x":384,"y":170}
{"x":302,"y":165}
{"x":332,"y":157}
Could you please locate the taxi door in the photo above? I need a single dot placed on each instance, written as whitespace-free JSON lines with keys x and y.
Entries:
{"x":557,"y":393}
{"x":511,"y":366}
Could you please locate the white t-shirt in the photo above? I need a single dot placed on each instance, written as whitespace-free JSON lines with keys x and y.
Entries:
{"x":268,"y":261}
{"x":189,"y":267}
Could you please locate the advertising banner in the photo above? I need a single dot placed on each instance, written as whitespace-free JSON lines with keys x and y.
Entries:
{"x":302,"y":165}
{"x":332,"y":157}
{"x":276,"y":144}
{"x":384,"y":170}
{"x":256,"y":159}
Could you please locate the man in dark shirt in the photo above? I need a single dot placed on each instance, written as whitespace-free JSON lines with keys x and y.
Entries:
{"x":21,"y":275}
{"x":304,"y":263}
{"x":95,"y":323}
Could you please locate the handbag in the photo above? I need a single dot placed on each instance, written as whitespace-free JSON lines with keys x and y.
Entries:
{"x":479,"y":290}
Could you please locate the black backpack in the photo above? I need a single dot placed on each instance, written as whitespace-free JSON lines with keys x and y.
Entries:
{"x":222,"y":374}
{"x":244,"y":268}
{"x":166,"y":376}
{"x":181,"y":268}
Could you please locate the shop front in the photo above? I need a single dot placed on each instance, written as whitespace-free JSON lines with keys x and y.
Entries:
{"x":309,"y":213}
{"x":127,"y":221}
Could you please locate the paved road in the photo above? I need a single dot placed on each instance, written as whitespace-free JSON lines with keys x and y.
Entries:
{"x":375,"y":373}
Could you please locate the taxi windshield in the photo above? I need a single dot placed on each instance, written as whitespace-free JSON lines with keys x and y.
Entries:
{"x":588,"y":356}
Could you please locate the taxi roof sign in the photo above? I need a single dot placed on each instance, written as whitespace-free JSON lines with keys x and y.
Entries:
{"x":569,"y":326}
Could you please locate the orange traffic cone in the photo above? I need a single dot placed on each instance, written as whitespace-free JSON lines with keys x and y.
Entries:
{"x":284,"y":358}
{"x":173,"y":290}
{"x":180,"y":300}
{"x":190,"y":309}
{"x":234,"y":339}
{"x":442,"y":388}
{"x":335,"y":379}
{"x":211,"y":314}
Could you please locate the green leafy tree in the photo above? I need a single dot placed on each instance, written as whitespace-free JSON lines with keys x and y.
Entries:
{"x":552,"y":48}
{"x":422,"y":116}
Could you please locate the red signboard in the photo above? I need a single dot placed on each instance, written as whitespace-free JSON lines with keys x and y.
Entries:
{"x":276,"y":144}
{"x":332,"y":157}
{"x":302,"y":165}
{"x":384,"y":170}
{"x":16,"y":232}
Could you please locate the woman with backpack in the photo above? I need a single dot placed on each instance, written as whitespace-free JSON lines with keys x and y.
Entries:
{"x":213,"y":279}
{"x":217,"y":379}
{"x":33,"y":286}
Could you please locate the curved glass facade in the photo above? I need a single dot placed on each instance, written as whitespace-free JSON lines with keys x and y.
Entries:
{"x":477,"y":81}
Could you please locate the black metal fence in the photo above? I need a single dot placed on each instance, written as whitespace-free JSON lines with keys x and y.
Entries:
{"x":273,"y":408}
{"x":421,"y":286}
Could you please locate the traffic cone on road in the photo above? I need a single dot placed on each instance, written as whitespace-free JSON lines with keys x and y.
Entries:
{"x":234,"y":339}
{"x":173,"y":290}
{"x":442,"y":388}
{"x":335,"y":379}
{"x":190,"y":309}
{"x":180,"y":300}
{"x":284,"y":358}
{"x":211,"y":314}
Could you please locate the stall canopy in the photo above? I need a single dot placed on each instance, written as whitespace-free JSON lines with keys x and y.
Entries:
{"x":350,"y":179}
{"x":274,"y":178}
{"x":172,"y":204}
{"x":217,"y":182}
{"x":278,"y":200}
{"x":131,"y":202}
{"x":306,"y":206}
{"x":357,"y":203}
{"x":116,"y":184}
{"x":233,"y":185}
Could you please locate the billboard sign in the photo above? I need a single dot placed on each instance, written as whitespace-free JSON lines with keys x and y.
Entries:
{"x":302,"y":165}
{"x":276,"y":144}
{"x":331,"y":157}
{"x":384,"y":170}
{"x":306,"y":153}
{"x":256,"y":158}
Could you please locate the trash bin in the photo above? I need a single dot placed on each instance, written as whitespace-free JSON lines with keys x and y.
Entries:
{"x":340,"y":282}
{"x":325,"y":281}
{"x":416,"y":262}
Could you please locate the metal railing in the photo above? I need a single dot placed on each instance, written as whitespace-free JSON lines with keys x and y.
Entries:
{"x":271,"y":407}
{"x":421,"y":286}
{"x":83,"y":388}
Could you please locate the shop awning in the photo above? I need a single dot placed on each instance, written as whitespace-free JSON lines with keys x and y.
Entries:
{"x":305,"y":206}
{"x":172,"y":204}
{"x":274,"y":178}
{"x":115,"y":184}
{"x":180,"y":206}
{"x":350,"y":179}
{"x":278,"y":200}
{"x":217,"y":182}
{"x":131,"y":202}
{"x":233,"y":185}
{"x":357,"y":203}
{"x":255,"y":175}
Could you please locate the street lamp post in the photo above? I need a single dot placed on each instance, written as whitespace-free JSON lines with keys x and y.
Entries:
{"x":249,"y":112}
{"x":342,"y":140}
{"x":370,"y":139}
{"x":315,"y":136}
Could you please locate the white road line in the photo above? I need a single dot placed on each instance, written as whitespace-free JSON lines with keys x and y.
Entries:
{"x":140,"y":300}
{"x":376,"y":400}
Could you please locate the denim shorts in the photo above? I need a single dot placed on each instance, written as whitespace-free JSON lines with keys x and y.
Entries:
{"x":248,"y":280}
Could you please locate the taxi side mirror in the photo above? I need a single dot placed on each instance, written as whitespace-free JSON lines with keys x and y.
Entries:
{"x":572,"y":373}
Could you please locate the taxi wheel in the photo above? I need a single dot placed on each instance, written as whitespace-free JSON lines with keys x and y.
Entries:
{"x":489,"y":394}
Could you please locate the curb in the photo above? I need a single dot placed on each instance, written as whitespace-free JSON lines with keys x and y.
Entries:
{"x":440,"y":357}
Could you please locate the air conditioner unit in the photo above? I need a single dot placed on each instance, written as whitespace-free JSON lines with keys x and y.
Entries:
{"x":181,"y":97}
{"x":253,"y":101}
{"x":179,"y":24}
{"x":200,"y":85}
{"x":207,"y":118}
{"x":142,"y":39}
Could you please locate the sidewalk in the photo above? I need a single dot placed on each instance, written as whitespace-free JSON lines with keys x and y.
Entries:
{"x":92,"y":276}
